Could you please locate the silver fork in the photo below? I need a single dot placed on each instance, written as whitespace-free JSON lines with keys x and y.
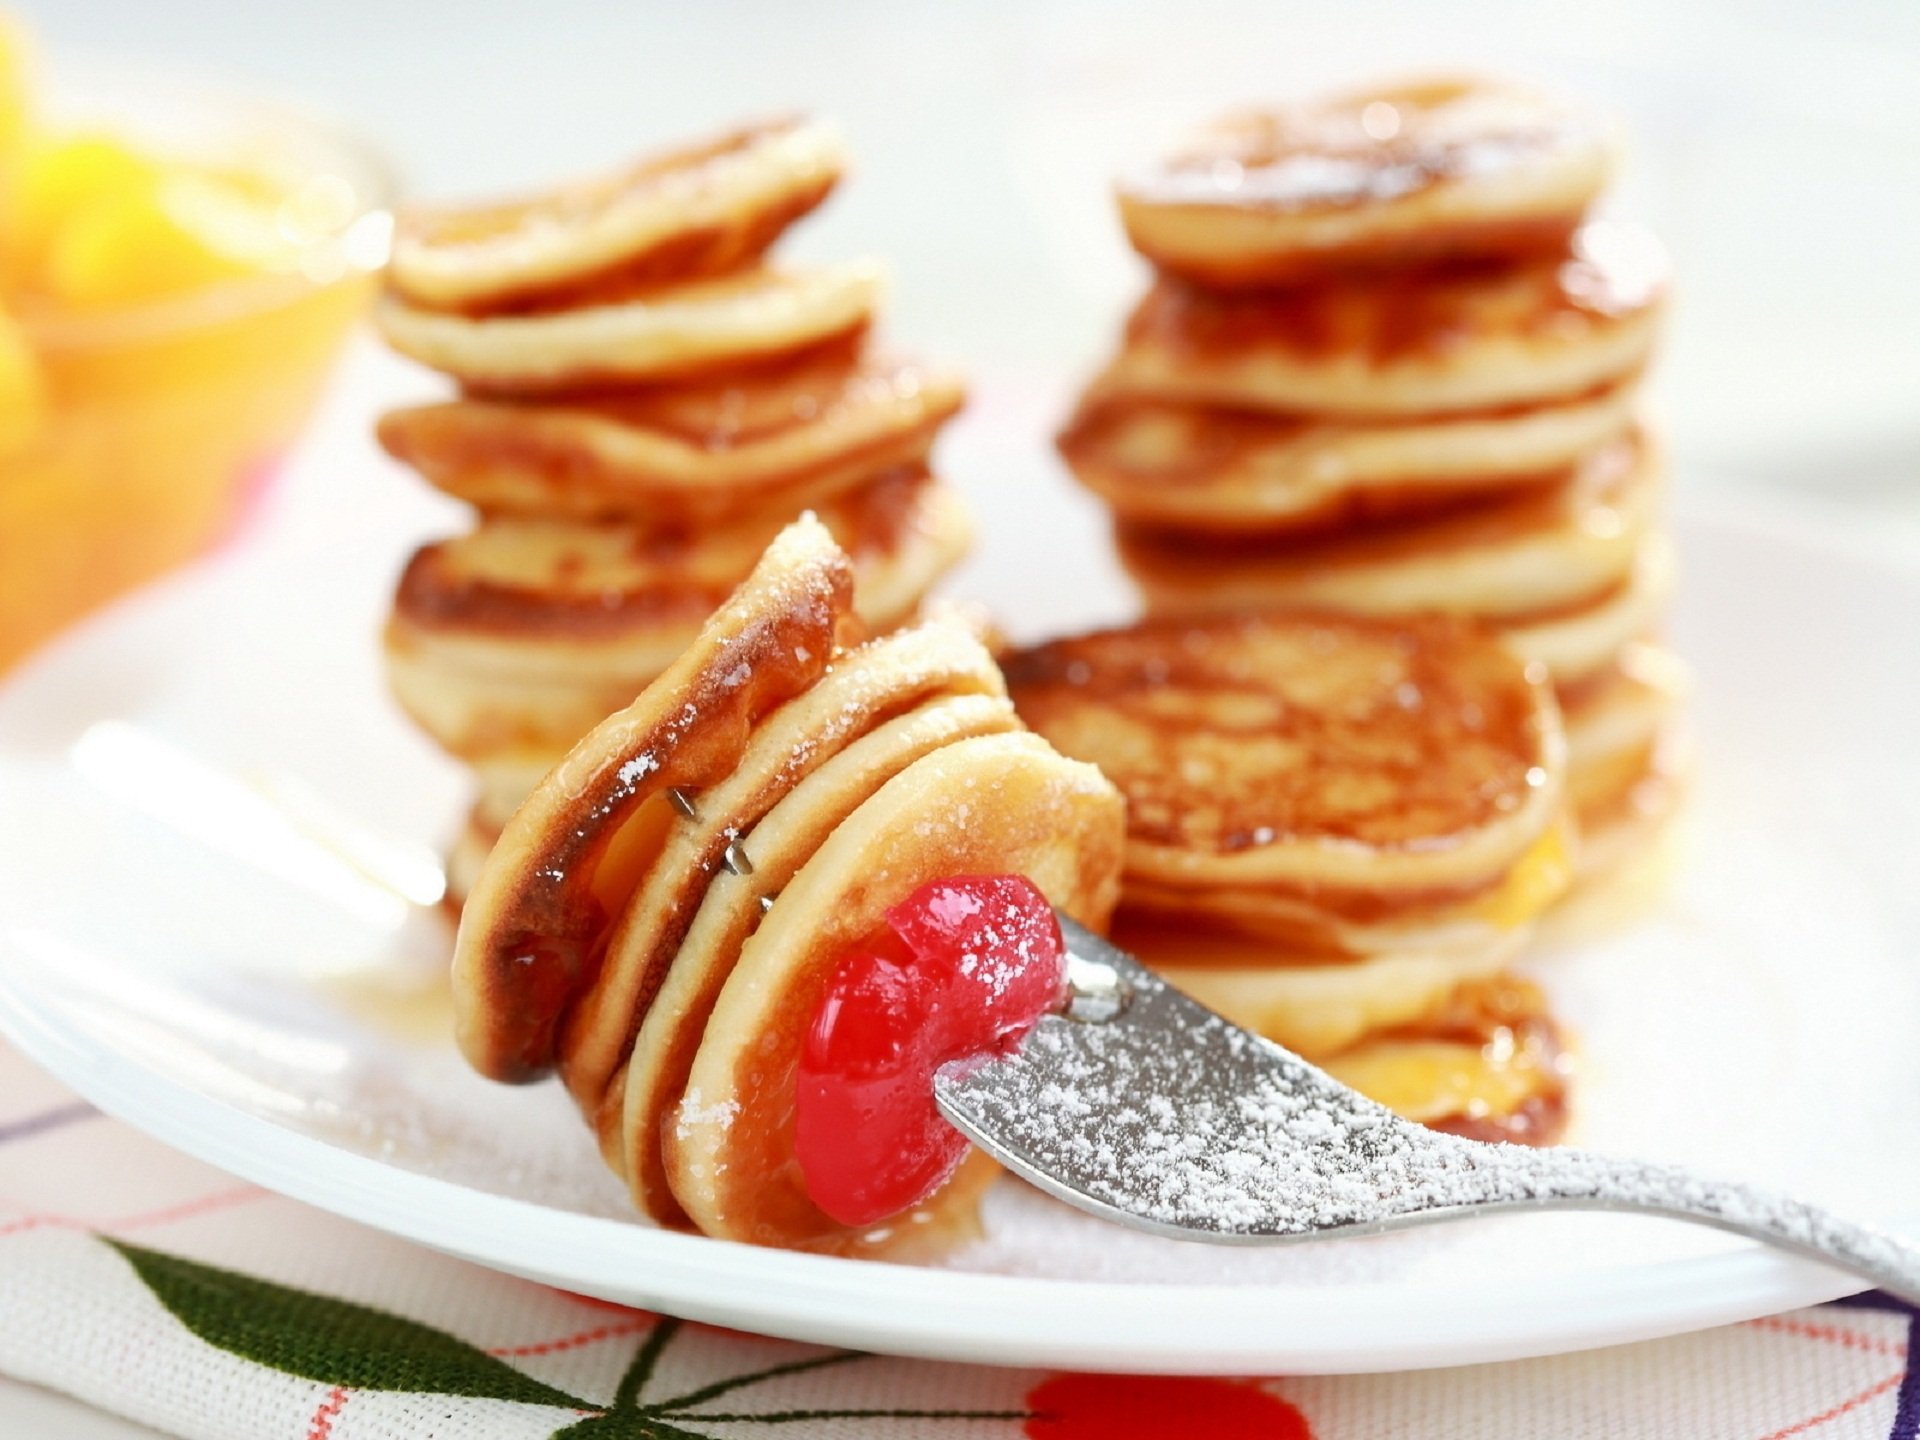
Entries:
{"x":1145,"y":1108}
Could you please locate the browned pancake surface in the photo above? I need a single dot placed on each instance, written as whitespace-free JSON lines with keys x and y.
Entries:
{"x":653,"y":253}
{"x":1414,"y":313}
{"x":532,"y":929}
{"x":790,"y":434}
{"x":1234,"y":734}
{"x":1431,"y":166}
{"x":1500,"y":1027}
{"x":523,"y":576}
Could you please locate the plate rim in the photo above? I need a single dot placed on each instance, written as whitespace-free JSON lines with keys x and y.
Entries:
{"x":1183,"y":1328}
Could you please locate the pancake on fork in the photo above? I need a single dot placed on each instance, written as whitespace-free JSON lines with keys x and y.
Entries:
{"x":626,"y":928}
{"x":1378,"y":175}
{"x":527,"y":632}
{"x":700,"y":209}
{"x":1469,"y":335}
{"x":1337,"y":826}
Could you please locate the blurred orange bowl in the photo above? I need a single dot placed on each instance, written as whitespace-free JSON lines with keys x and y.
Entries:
{"x":167,"y":417}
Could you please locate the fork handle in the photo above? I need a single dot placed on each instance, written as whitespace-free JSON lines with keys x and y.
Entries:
{"x":1581,"y":1180}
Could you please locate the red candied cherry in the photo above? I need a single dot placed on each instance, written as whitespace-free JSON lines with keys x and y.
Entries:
{"x":964,"y":968}
{"x":1151,"y":1407}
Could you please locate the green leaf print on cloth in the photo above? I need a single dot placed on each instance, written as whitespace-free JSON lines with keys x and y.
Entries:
{"x":356,"y":1347}
{"x":333,"y":1341}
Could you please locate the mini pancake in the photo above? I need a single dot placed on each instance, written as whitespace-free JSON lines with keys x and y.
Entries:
{"x":1193,"y":468}
{"x":1580,"y":642}
{"x":1525,"y":558}
{"x":466,"y":858}
{"x":1487,"y":1063}
{"x":797,"y":433}
{"x":1314,"y":1009}
{"x":524,"y":633}
{"x":1441,"y":166}
{"x":1415,"y":342}
{"x":1225,"y":925}
{"x":643,"y":1094}
{"x":1624,"y":752}
{"x":743,"y":318}
{"x":866,"y":687}
{"x":695,"y":210}
{"x":507,"y":777}
{"x":534,"y":925}
{"x":1345,"y":761}
{"x":1443,"y":1037}
{"x":505,"y":780}
{"x":994,"y":804}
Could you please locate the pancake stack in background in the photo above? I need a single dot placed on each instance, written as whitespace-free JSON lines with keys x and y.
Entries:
{"x":644,"y":401}
{"x":1387,"y":367}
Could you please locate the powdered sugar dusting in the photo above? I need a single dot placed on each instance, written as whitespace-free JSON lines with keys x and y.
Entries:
{"x":695,"y":1115}
{"x":1183,"y":1123}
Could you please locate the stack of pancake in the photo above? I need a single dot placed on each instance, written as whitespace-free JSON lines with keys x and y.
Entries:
{"x":662,"y":917}
{"x":1387,"y":367}
{"x":1339,"y":832}
{"x":644,"y":400}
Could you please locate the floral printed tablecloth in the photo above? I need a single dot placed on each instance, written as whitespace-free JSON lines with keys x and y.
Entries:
{"x":155,"y":1287}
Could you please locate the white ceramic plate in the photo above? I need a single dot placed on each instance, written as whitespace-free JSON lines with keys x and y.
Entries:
{"x":214,"y":822}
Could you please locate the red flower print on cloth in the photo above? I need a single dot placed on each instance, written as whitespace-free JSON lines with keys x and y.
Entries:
{"x":1156,"y":1407}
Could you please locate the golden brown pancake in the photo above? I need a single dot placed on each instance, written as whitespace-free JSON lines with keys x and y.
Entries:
{"x":1384,"y":174}
{"x":1360,"y":765}
{"x":1196,"y":469}
{"x":1314,"y":1005}
{"x":1524,"y":559}
{"x":695,"y":210}
{"x":1251,"y":924}
{"x":533,"y":929}
{"x":506,"y":777}
{"x":867,"y":686}
{"x":1625,"y":753}
{"x":524,"y":633}
{"x":994,"y":804}
{"x":638,"y":1104}
{"x":1397,"y":789}
{"x":1487,"y":1063}
{"x":786,"y":436}
{"x":617,"y":930}
{"x":1579,"y":642}
{"x":694,"y":328}
{"x":465,"y":858}
{"x":1466,"y":336}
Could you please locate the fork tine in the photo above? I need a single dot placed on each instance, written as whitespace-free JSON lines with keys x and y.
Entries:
{"x":734,"y":857}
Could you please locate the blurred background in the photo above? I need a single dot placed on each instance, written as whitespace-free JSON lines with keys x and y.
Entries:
{"x":1776,"y":148}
